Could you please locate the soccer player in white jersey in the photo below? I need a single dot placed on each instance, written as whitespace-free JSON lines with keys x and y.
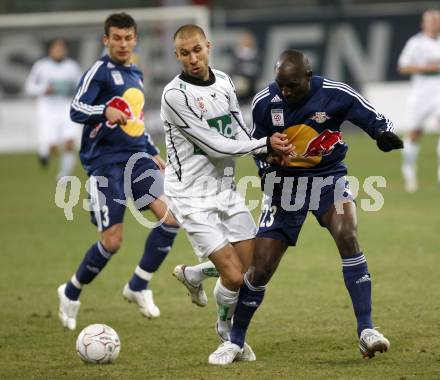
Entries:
{"x":204,"y":132}
{"x":420,"y":58}
{"x":53,"y":80}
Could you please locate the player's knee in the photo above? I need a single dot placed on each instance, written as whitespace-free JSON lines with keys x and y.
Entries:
{"x":170,"y":220}
{"x":260,"y":276}
{"x":112,"y":242}
{"x":232,"y":279}
{"x":347,"y":240}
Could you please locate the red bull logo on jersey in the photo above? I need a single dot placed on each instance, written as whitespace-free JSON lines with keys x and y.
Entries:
{"x":320,"y":117}
{"x":132,"y":105}
{"x":309,"y":145}
{"x":323,"y":144}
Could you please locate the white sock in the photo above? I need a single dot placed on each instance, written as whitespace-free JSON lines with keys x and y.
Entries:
{"x":438,"y":160}
{"x":67,"y":163}
{"x":197,"y":273}
{"x":409,"y":153}
{"x":226,"y":304}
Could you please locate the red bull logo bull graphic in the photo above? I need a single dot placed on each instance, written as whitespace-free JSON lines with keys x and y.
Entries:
{"x":323,"y":144}
{"x":309,"y":145}
{"x":131,"y":104}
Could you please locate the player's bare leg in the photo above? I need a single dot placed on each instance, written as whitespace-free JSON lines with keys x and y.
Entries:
{"x":410,"y":153}
{"x":343,"y":228}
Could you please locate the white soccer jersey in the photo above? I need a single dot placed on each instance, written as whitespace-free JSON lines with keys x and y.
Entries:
{"x":204,"y":131}
{"x":62,"y":76}
{"x":424,"y":98}
{"x":421,"y":49}
{"x":53,"y":118}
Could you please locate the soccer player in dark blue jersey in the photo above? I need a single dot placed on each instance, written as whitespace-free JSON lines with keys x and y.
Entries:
{"x":310,"y":110}
{"x":109,"y":103}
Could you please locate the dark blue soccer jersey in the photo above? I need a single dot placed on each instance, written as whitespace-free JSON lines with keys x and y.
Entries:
{"x":109,"y":83}
{"x":313,"y":125}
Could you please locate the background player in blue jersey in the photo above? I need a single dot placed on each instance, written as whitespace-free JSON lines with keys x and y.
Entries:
{"x":109,"y":103}
{"x":310,"y":110}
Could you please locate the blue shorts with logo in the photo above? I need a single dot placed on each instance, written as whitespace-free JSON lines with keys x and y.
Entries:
{"x":110,"y":187}
{"x":284,"y":211}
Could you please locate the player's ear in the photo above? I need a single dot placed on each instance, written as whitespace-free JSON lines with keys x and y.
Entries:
{"x":105,"y":39}
{"x":209,"y":46}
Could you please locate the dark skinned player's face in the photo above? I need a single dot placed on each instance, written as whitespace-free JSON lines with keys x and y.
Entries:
{"x":294,"y":83}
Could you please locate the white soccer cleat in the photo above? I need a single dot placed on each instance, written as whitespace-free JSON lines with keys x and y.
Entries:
{"x":372,"y":341}
{"x":197,"y":293}
{"x":225,"y":354}
{"x":144,"y":300}
{"x":247,"y":355}
{"x":68,"y":309}
{"x":411,"y":186}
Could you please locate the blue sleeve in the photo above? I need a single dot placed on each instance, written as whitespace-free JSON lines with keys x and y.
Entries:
{"x":259,"y":130}
{"x":361,"y":113}
{"x":84,"y":109}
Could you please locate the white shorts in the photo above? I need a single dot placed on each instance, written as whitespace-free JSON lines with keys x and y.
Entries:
{"x":55,"y":126}
{"x":423,"y":102}
{"x":211,"y":223}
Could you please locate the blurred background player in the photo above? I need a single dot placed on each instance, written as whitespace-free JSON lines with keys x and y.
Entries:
{"x":109,"y":102}
{"x":53,"y":80}
{"x":420,"y":58}
{"x":246,"y":67}
{"x":310,"y":110}
{"x":204,"y":131}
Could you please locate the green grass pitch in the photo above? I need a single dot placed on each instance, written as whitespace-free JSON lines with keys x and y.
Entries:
{"x":305,"y":328}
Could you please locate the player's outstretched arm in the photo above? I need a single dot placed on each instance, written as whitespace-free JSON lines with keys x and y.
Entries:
{"x":388,"y":141}
{"x":179,"y":109}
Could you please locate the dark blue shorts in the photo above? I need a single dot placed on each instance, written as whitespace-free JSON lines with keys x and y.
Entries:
{"x":112,"y":185}
{"x":284,"y":212}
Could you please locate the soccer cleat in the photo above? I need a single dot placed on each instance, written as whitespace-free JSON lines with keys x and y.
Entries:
{"x":144,"y":300}
{"x":411,"y":185}
{"x":68,"y":309}
{"x":247,"y":355}
{"x":197,"y":293}
{"x":372,"y":341}
{"x":225,"y":354}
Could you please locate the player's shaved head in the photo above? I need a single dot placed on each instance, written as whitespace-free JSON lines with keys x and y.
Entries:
{"x":293,"y":74}
{"x":292,"y":61}
{"x":188,"y":31}
{"x":192,"y":51}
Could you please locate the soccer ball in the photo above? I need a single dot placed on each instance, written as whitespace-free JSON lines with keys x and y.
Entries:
{"x":98,"y":344}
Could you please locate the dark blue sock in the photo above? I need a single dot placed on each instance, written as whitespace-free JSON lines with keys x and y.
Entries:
{"x":249,"y":300}
{"x":157,"y":246}
{"x":94,"y":261}
{"x":358,"y":283}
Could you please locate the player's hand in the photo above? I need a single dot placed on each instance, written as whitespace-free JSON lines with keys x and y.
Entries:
{"x":278,"y":143}
{"x":114,"y":116}
{"x":387,"y":141}
{"x":49,"y":90}
{"x":159,"y":162}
